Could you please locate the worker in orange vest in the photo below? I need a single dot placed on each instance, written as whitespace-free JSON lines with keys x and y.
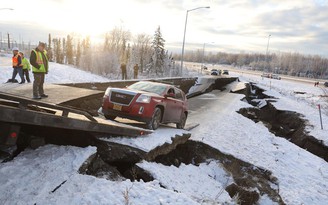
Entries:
{"x":17,"y":66}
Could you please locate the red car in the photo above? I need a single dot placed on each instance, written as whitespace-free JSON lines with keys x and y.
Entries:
{"x":149,"y":102}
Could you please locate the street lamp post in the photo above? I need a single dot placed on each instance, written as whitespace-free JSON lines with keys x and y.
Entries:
{"x":202,"y":66}
{"x":184,"y":34}
{"x":267,"y":51}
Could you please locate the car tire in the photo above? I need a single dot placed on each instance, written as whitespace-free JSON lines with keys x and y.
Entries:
{"x":182,"y":122}
{"x":110,"y":117}
{"x":155,"y":119}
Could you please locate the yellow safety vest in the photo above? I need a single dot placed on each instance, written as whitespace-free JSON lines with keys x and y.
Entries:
{"x":39,"y":61}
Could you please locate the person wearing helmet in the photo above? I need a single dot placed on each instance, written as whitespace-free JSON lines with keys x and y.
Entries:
{"x":17,"y":66}
{"x":26,"y":67}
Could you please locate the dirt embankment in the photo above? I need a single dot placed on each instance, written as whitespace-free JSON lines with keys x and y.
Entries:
{"x":116,"y":162}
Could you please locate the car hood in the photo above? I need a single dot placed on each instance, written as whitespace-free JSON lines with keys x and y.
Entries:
{"x":134,"y":92}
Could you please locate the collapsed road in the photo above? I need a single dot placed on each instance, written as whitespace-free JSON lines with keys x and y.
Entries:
{"x":70,"y":115}
{"x":114,"y":160}
{"x":282,"y":123}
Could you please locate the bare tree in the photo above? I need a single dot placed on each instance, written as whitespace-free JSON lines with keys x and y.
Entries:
{"x":141,"y":50}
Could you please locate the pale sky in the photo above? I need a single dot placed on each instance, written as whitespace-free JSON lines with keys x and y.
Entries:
{"x":228,"y":25}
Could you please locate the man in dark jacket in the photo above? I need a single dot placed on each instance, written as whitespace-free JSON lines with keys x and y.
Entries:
{"x":17,"y":66}
{"x":39,"y":62}
{"x":135,"y":71}
{"x":123,"y":68}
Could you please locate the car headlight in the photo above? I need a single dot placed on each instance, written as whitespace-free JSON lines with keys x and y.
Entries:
{"x":143,"y":99}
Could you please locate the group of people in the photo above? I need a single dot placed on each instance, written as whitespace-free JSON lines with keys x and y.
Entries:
{"x":21,"y":66}
{"x":124,"y":72}
{"x":40,"y":65}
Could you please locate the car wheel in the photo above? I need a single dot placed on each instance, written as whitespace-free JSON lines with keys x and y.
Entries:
{"x":110,"y":117}
{"x":182,"y":122}
{"x":155,"y":120}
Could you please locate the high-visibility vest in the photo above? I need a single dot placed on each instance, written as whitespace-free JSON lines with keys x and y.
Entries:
{"x":39,"y":61}
{"x":15,"y":60}
{"x":26,"y":64}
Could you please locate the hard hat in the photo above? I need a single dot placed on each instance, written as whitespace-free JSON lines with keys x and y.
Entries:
{"x":15,"y":49}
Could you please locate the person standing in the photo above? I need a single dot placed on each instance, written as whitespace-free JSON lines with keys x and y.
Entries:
{"x":39,"y":62}
{"x":26,"y":67}
{"x":123,"y":68}
{"x":135,"y":71}
{"x":17,"y":66}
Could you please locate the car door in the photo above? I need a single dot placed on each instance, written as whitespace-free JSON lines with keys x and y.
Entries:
{"x":180,"y":104}
{"x":171,"y":107}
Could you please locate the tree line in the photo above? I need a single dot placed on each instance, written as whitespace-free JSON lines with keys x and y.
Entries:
{"x":294,"y":64}
{"x":119,"y":47}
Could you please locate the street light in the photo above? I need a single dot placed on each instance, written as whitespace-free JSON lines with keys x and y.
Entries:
{"x":184,"y":34}
{"x":268,"y":44}
{"x":202,"y":66}
{"x":266,"y":55}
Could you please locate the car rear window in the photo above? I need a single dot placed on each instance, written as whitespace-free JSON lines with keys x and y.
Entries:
{"x":148,"y":87}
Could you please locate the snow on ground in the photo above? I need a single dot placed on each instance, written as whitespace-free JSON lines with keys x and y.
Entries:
{"x":57,"y":73}
{"x":149,"y":142}
{"x":33,"y":176}
{"x":211,"y":175}
{"x":303,"y":177}
{"x":288,"y":93}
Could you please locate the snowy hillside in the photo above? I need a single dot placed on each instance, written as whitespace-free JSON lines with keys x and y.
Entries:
{"x":57,"y":73}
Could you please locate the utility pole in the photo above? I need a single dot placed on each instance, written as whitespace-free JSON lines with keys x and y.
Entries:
{"x":184,"y":34}
{"x":8,"y":41}
{"x":267,"y":52}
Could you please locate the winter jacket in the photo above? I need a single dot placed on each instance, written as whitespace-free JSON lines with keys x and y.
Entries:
{"x":26,"y":64}
{"x":17,"y":61}
{"x":39,"y":61}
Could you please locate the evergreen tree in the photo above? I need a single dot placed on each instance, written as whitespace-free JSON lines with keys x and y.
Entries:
{"x":55,"y":57}
{"x":78,"y":54}
{"x":63,"y":54}
{"x":158,"y":57}
{"x":69,"y":50}
{"x":49,"y":51}
{"x":124,"y":54}
{"x":87,"y":58}
{"x":86,"y":45}
{"x":59,"y":53}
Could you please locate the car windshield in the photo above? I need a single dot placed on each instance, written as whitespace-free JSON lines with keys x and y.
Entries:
{"x":148,"y":87}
